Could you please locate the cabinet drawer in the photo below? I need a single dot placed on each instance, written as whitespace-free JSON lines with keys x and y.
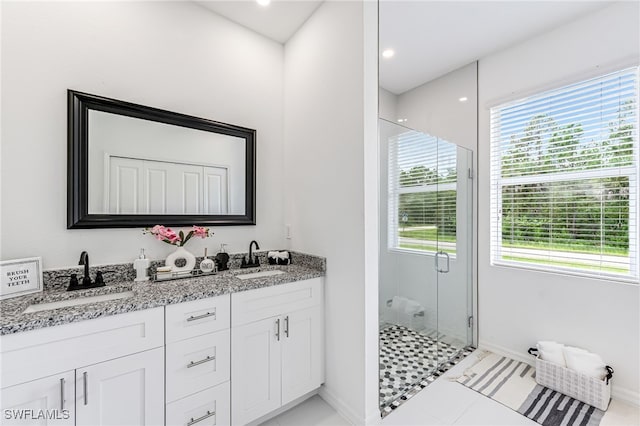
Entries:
{"x":190,"y":319}
{"x":209,"y":407}
{"x":197,"y":363}
{"x":70,"y":346}
{"x":255,"y":305}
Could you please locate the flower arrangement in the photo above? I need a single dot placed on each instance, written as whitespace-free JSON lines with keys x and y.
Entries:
{"x":169,"y":236}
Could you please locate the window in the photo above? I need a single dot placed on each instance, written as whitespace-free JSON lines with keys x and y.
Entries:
{"x":564,"y":179}
{"x":422,"y":193}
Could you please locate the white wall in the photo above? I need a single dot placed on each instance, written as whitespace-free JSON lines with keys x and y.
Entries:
{"x":434,"y":107}
{"x":324,"y":171}
{"x":170,"y":55}
{"x":519,"y":307}
{"x":387,"y":104}
{"x":370,"y":100}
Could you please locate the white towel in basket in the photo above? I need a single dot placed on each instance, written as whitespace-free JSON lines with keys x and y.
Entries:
{"x":585,"y":362}
{"x":552,"y":352}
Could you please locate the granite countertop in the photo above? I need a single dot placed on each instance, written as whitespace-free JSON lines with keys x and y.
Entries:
{"x":146,"y":295}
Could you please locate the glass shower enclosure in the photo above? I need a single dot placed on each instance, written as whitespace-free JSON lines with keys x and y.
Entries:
{"x":425,"y":290}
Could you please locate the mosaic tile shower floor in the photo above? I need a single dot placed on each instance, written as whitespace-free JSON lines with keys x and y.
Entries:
{"x":408,"y":362}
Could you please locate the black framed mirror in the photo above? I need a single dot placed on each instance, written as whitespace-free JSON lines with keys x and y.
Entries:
{"x":131,"y":165}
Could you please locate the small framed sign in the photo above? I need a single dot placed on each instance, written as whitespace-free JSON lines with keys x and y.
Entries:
{"x":20,"y":277}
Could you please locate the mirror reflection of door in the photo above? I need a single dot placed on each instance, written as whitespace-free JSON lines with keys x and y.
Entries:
{"x":143,"y":167}
{"x":146,"y":186}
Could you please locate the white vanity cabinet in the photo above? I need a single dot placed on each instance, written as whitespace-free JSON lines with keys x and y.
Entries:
{"x":53,"y":394}
{"x":302,"y":353}
{"x":206,"y":408}
{"x":123,"y":391}
{"x":255,"y":373}
{"x":198,"y":362}
{"x":277,"y":347}
{"x":107,"y":371}
{"x":225,"y":360}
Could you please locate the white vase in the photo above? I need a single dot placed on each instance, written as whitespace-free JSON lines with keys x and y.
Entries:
{"x":181,"y":253}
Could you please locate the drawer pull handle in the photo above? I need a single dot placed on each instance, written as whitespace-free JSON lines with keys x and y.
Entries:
{"x":197,"y":317}
{"x":85,"y":382}
{"x":202,"y":361}
{"x":199,"y":419}
{"x":278,"y":329}
{"x":286,"y":326}
{"x":62,"y":394}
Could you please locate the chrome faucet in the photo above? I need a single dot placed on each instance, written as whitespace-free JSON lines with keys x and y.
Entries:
{"x":253,"y":262}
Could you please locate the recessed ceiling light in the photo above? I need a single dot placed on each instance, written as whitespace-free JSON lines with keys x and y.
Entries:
{"x":388,"y":53}
{"x":463,"y":99}
{"x":263,"y":2}
{"x":402,"y":120}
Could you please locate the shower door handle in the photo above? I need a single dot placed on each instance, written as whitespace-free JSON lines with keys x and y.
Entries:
{"x":437,"y":259}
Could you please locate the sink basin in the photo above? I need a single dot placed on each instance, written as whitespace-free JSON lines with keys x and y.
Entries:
{"x":260,"y":274}
{"x":75,"y":302}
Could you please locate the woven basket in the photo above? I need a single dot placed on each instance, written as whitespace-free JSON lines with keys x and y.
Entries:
{"x":587,"y":389}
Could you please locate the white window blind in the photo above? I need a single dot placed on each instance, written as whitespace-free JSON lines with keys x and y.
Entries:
{"x":564,"y":179}
{"x":422,"y":193}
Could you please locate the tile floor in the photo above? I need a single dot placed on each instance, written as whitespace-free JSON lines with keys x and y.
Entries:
{"x":443,"y":402}
{"x":312,"y":412}
{"x":425,"y":381}
{"x":407,"y":357}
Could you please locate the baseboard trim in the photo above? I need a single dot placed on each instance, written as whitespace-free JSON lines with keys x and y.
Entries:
{"x":501,"y":350}
{"x":338,"y":404}
{"x":625,"y":395}
{"x":617,"y":392}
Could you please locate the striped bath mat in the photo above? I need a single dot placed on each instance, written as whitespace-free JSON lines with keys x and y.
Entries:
{"x":512,"y":383}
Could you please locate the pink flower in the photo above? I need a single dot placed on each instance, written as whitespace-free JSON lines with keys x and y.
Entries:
{"x":169,"y":234}
{"x":158,"y":229}
{"x":200,"y":231}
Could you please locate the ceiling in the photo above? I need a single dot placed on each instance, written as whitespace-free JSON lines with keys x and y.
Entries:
{"x":277,"y":21}
{"x":432,"y":38}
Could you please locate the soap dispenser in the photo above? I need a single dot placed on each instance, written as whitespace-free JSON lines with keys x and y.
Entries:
{"x":207,"y":265}
{"x":141,"y":265}
{"x":222,"y":259}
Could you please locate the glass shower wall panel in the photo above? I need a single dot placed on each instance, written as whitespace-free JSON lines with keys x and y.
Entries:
{"x":454,"y":258}
{"x":425,"y":256}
